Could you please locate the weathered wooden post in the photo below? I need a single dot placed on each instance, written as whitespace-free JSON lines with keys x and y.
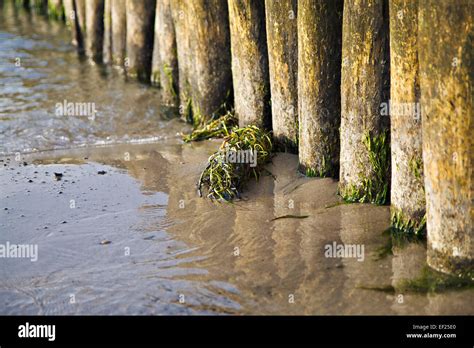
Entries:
{"x":211,"y":46}
{"x":69,"y":17}
{"x":180,"y":11}
{"x":80,"y":8}
{"x":119,"y":32}
{"x":40,"y":6}
{"x":140,"y":24}
{"x":364,"y":159}
{"x":107,"y":49}
{"x":72,"y":21}
{"x":55,"y":9}
{"x":24,"y":3}
{"x":203,"y":45}
{"x":95,"y":29}
{"x":282,"y":43}
{"x":165,"y":59}
{"x":250,"y":62}
{"x":155,"y":59}
{"x":407,"y":187}
{"x":446,"y":52}
{"x":319,"y":86}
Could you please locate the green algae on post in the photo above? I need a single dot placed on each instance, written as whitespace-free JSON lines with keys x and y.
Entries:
{"x":401,"y":223}
{"x":56,"y":9}
{"x":199,"y":120}
{"x":373,"y":186}
{"x":224,"y":175}
{"x":169,"y":78}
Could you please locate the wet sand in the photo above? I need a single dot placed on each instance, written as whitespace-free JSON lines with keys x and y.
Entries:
{"x":139,"y":240}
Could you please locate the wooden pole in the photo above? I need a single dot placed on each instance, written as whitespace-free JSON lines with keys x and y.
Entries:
{"x":203,"y":45}
{"x":95,"y":29}
{"x":165,"y":59}
{"x":407,"y":187}
{"x":40,"y":6}
{"x":140,"y":24}
{"x":80,"y":8}
{"x":155,"y":59}
{"x":56,"y":9}
{"x":446,"y":51}
{"x":364,"y":158}
{"x":319,"y":86}
{"x":119,"y":32}
{"x":69,"y":16}
{"x":250,"y":63}
{"x":107,"y":49}
{"x":282,"y":43}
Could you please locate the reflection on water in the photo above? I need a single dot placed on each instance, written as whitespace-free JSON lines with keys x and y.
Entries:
{"x":39,"y":69}
{"x":138,"y":239}
{"x":215,"y":258}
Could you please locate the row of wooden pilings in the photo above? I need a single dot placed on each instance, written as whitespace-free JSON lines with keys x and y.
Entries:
{"x":377,"y":93}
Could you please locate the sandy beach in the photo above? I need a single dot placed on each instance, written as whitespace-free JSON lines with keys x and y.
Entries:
{"x":138,"y":239}
{"x":112,"y":206}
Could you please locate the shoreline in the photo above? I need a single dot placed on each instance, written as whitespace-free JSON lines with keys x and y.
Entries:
{"x":239,"y":258}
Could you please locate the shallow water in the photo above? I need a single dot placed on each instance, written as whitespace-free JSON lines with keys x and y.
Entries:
{"x":138,"y":239}
{"x":39,"y":69}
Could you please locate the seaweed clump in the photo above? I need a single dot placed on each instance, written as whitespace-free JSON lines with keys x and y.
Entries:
{"x":216,"y":128}
{"x":241,"y":156}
